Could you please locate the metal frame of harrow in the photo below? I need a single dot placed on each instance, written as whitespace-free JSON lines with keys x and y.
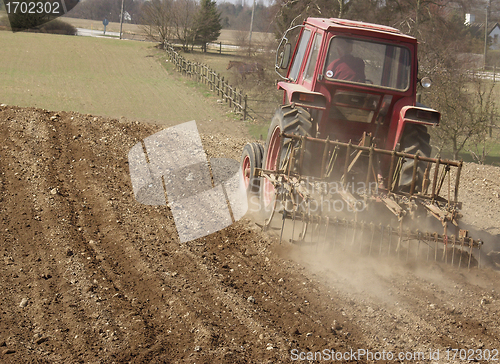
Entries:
{"x":291,"y":186}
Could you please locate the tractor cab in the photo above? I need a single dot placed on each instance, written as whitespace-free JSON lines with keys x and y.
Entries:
{"x":353,"y":77}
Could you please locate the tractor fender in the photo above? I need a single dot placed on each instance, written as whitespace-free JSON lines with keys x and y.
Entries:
{"x":302,"y":96}
{"x":409,"y":114}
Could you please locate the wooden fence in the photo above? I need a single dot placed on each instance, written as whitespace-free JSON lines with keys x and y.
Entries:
{"x":203,"y":74}
{"x":488,"y":73}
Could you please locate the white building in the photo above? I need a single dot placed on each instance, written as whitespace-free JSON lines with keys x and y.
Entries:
{"x":494,"y":35}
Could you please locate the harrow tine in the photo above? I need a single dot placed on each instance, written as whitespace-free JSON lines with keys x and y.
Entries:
{"x":453,"y":250}
{"x":445,"y":241}
{"x":408,"y":248}
{"x":390,"y":240}
{"x":354,"y":232}
{"x":435,"y":247}
{"x":317,"y":228}
{"x":346,"y":228}
{"x":314,"y":229}
{"x":327,"y":225}
{"x":283,"y":224}
{"x":309,"y":222}
{"x":372,"y":227}
{"x":361,"y":240}
{"x":427,"y":239}
{"x":293,"y":225}
{"x":381,"y":239}
{"x":419,"y":238}
{"x":305,"y":223}
{"x":470,"y":256}
{"x":398,"y":248}
{"x":461,"y":251}
{"x":325,"y":235}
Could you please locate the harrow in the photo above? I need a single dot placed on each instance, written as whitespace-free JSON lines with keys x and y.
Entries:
{"x":331,"y":207}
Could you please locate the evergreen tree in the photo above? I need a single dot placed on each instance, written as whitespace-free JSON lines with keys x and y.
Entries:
{"x":207,"y":24}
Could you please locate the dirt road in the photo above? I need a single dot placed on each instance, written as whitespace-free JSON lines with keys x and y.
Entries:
{"x":91,"y":276}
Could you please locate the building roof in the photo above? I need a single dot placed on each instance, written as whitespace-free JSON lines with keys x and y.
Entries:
{"x":478,"y":28}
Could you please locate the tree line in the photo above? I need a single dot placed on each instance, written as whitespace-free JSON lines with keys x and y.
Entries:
{"x":189,"y":22}
{"x":232,"y":16}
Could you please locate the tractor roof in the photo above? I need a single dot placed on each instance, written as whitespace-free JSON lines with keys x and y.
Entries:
{"x":358,"y":27}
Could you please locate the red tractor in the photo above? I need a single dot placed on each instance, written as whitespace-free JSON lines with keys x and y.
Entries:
{"x":351,"y":137}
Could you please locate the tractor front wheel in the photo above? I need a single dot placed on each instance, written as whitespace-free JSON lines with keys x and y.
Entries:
{"x":251,"y":158}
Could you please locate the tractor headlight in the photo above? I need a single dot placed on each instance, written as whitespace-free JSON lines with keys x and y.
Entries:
{"x":426,"y":82}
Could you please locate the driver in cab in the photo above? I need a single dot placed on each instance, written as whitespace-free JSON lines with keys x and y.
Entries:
{"x":346,"y":66}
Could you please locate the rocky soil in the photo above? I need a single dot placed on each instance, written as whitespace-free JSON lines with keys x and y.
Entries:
{"x":89,"y":275}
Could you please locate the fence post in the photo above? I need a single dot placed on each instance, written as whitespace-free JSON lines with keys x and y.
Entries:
{"x":239,"y":101}
{"x":220,"y":47}
{"x":245,"y":109}
{"x":494,"y":72}
{"x":223,"y":90}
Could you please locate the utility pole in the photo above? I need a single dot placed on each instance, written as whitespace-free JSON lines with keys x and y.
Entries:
{"x":121,"y":21}
{"x":251,"y":28}
{"x":486,"y":34}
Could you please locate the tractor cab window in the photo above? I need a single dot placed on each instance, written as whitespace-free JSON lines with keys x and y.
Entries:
{"x":299,"y":56}
{"x":313,"y":55}
{"x":359,"y":61}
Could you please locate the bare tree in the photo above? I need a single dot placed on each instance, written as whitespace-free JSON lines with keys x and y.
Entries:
{"x":157,"y":19}
{"x":183,"y":21}
{"x":467,"y":104}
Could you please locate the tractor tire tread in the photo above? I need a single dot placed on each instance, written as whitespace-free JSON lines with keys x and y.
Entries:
{"x":415,"y":140}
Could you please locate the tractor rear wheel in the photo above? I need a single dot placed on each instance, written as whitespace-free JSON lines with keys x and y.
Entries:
{"x":415,"y":139}
{"x":291,"y":120}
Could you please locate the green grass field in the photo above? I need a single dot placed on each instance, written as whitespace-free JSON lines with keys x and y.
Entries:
{"x":97,"y":76}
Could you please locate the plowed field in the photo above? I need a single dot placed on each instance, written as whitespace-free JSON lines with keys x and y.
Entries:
{"x":89,"y":275}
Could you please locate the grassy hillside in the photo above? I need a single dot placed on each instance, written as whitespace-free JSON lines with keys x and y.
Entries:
{"x":96,"y":76}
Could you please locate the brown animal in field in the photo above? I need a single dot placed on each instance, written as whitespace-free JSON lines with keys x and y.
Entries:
{"x":246,"y":68}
